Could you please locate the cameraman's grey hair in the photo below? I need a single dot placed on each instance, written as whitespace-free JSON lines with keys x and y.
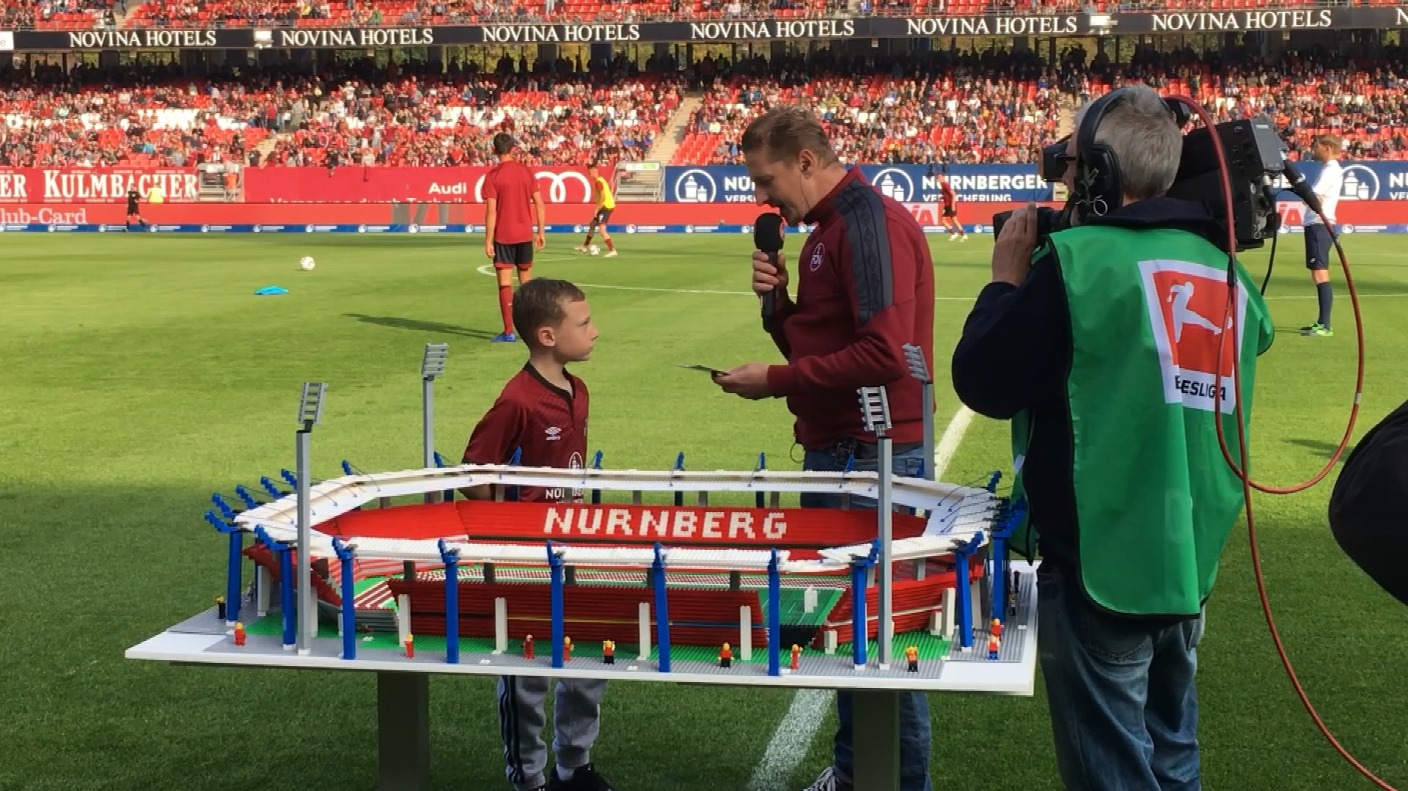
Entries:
{"x":1145,"y":138}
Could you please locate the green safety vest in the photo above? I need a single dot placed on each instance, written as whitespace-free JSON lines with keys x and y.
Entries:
{"x":1155,"y":499}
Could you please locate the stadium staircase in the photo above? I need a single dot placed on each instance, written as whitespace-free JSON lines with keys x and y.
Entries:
{"x":644,"y":182}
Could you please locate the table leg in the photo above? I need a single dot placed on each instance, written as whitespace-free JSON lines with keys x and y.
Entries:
{"x":403,"y":731}
{"x":877,"y":740}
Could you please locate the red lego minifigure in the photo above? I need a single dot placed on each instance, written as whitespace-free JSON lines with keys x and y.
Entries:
{"x":528,"y":647}
{"x":566,"y":649}
{"x":796,"y":656}
{"x":996,"y":628}
{"x":608,"y":652}
{"x":993,"y":645}
{"x":911,"y":655}
{"x":410,"y":646}
{"x":239,"y":633}
{"x":726,"y":656}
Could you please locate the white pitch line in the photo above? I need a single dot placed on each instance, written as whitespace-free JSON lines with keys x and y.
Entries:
{"x":803,"y":719}
{"x":488,"y":269}
{"x":950,"y":439}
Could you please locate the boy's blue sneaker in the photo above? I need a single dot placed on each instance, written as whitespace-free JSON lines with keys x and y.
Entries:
{"x":505,"y":337}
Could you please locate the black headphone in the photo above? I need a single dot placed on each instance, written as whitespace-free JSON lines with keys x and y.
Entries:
{"x":1099,"y":189}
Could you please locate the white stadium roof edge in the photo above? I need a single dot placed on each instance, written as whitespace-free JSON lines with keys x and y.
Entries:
{"x":956,"y":515}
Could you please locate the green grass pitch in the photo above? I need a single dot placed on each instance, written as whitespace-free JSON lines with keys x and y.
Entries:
{"x":140,"y":374}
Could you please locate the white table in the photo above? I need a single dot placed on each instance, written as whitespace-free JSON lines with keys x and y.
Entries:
{"x":403,"y":685}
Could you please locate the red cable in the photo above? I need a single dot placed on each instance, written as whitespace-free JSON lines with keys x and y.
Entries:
{"x":1247,"y":483}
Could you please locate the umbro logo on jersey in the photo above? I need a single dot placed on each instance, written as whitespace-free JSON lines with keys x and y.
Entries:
{"x":554,"y":433}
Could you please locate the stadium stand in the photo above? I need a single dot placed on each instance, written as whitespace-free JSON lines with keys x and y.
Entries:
{"x":941,"y":107}
{"x":958,"y":108}
{"x":1307,"y":93}
{"x":56,"y":14}
{"x":90,"y":14}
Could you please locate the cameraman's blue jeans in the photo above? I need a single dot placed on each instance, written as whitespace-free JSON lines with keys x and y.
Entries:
{"x":914,"y":706}
{"x":1124,"y":708}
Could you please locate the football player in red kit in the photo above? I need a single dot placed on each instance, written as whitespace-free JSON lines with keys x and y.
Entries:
{"x":950,"y":211}
{"x":542,"y":411}
{"x":510,"y":193}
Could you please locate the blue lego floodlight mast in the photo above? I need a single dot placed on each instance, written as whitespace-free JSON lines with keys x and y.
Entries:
{"x":310,"y":413}
{"x":875,"y":413}
{"x":919,"y":369}
{"x":432,"y":365}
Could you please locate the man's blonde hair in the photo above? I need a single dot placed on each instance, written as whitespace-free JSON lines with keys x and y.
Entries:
{"x":785,"y":132}
{"x":1328,"y":147}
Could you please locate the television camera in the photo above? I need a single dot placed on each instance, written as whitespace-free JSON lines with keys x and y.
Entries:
{"x":1254,"y":152}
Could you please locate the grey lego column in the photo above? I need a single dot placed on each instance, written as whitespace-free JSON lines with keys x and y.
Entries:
{"x":403,"y":731}
{"x":310,"y":413}
{"x":875,"y":410}
{"x":431,"y":366}
{"x":919,"y":369}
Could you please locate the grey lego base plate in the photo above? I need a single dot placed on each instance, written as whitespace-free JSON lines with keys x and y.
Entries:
{"x":205,"y":639}
{"x":1011,"y":644}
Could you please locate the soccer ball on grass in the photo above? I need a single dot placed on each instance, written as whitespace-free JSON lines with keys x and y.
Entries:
{"x":594,"y":250}
{"x":306,"y":263}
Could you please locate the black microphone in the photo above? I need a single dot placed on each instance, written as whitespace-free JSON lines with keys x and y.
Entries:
{"x":1301,"y":189}
{"x":767,"y":238}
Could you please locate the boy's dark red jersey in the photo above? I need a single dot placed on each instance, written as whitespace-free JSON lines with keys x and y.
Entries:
{"x":512,"y":184}
{"x":548,"y":423}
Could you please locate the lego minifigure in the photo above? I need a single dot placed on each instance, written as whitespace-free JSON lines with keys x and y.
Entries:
{"x":220,"y":607}
{"x":726,"y":656}
{"x":608,"y":652}
{"x":566,"y":649}
{"x":528,"y":646}
{"x":239,"y":633}
{"x":912,"y":655}
{"x":796,"y":656}
{"x":994,"y":643}
{"x":996,"y":628}
{"x":410,"y":646}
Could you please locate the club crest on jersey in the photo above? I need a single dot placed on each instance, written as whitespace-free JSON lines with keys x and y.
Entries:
{"x":818,"y":255}
{"x":1187,"y":306}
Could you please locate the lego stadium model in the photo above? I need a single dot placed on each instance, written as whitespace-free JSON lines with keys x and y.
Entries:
{"x":596,"y":581}
{"x":717,"y":577}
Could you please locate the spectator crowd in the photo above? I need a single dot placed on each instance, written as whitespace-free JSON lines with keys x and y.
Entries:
{"x":939,"y":107}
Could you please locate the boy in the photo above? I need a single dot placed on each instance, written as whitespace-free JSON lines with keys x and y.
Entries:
{"x":543,"y":411}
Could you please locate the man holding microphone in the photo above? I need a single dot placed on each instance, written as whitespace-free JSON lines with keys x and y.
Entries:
{"x":1104,"y":349}
{"x":864,"y":289}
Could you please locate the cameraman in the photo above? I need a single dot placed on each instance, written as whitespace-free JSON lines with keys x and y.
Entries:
{"x":1098,"y":348}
